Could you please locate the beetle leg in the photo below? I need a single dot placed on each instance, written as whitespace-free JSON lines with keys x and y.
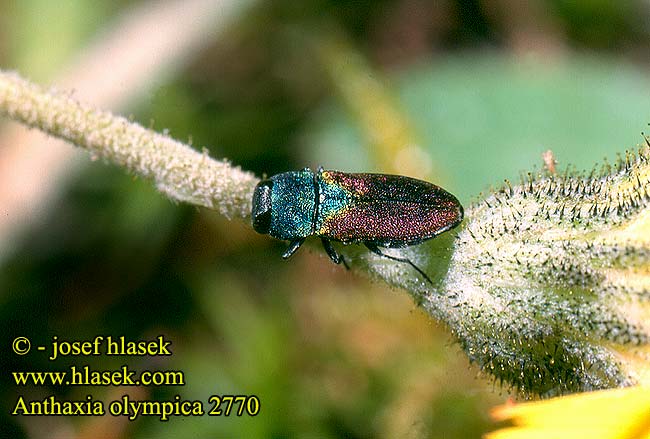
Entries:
{"x":292,"y":248}
{"x":333,"y":254}
{"x":373,"y":248}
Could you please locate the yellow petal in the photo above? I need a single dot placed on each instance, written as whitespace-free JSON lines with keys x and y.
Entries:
{"x":608,"y":414}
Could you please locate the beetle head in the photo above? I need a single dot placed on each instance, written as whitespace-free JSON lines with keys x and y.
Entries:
{"x":262,"y":207}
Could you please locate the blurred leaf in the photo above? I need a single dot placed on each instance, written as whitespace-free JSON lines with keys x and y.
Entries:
{"x":36,"y":24}
{"x":486,"y":118}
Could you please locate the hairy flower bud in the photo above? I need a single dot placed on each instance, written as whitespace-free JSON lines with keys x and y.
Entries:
{"x":548,"y":287}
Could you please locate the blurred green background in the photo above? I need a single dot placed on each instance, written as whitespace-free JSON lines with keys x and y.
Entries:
{"x":479,"y":88}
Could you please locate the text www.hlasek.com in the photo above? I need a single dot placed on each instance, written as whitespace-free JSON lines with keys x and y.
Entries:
{"x":84,"y":376}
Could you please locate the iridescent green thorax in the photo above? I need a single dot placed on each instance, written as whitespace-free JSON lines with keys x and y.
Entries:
{"x":294,"y":195}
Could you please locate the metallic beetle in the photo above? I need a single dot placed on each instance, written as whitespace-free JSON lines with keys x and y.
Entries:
{"x":376,"y":210}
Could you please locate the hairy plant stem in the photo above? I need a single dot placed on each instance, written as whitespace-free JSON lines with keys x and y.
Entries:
{"x":180,"y":172}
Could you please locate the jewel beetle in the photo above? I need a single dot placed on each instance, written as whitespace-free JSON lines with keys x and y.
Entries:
{"x":377,"y":210}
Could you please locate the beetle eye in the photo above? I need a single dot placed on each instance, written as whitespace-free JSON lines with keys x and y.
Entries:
{"x":262,"y":207}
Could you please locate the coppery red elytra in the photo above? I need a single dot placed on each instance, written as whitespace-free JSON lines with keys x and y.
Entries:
{"x":377,"y":210}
